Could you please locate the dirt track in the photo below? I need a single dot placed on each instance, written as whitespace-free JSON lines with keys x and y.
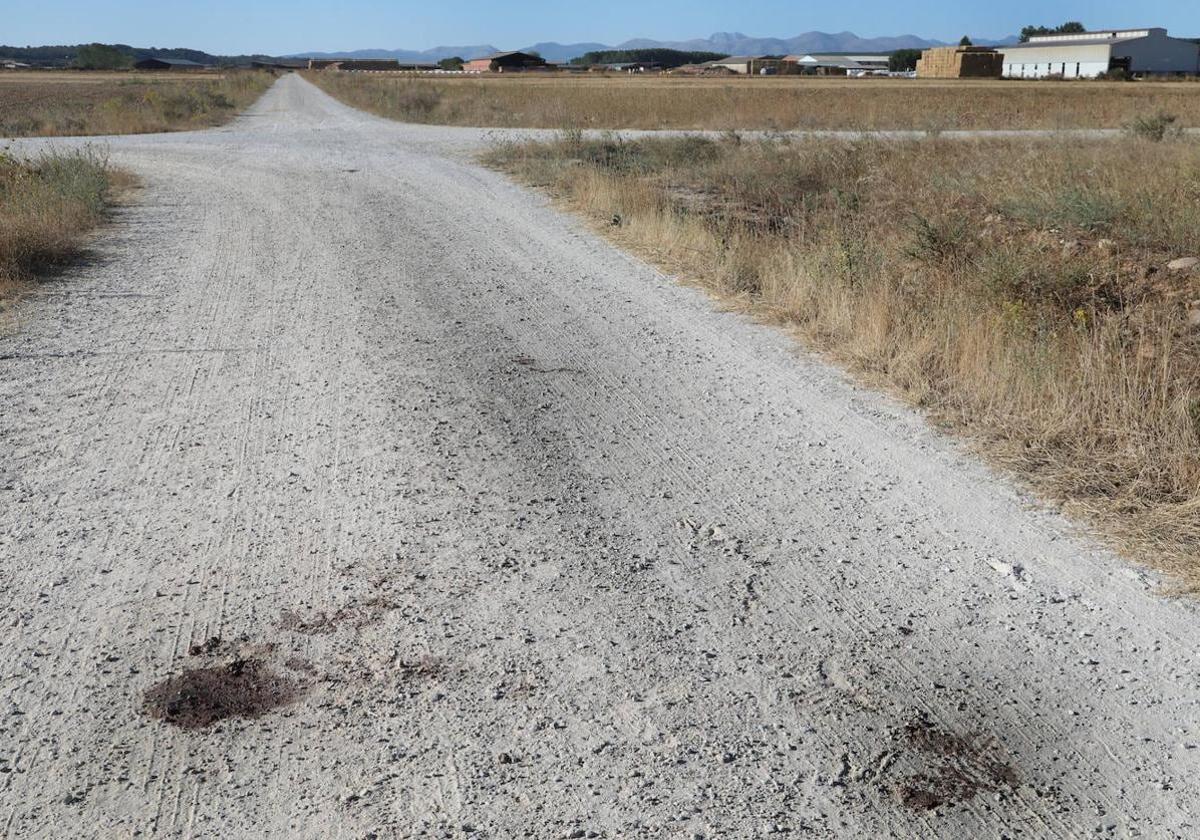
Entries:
{"x":352,"y":491}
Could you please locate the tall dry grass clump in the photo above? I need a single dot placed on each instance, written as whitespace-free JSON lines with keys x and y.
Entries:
{"x":74,"y":105}
{"x":1018,"y":290}
{"x":47,"y":207}
{"x":780,"y":103}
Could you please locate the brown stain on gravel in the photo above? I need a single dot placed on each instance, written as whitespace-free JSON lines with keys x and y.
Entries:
{"x":358,"y":616}
{"x":201,"y":697}
{"x":960,"y":768}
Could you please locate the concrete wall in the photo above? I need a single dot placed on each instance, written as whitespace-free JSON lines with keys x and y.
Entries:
{"x":1155,"y":53}
{"x":1084,"y":62}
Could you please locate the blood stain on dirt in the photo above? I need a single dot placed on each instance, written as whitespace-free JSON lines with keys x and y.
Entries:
{"x":201,"y":697}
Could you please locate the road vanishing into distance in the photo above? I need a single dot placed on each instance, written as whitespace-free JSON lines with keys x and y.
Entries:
{"x":349,"y":490}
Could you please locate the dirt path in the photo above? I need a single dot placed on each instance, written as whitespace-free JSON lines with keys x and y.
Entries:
{"x":351,"y":491}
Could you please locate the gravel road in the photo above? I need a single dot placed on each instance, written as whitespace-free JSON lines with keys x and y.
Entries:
{"x":349,"y":490}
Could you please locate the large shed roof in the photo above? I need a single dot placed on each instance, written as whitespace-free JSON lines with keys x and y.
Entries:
{"x":495,"y":56}
{"x":174,"y":62}
{"x":1086,"y":39}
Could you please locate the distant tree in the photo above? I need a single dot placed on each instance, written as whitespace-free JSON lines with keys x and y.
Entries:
{"x":533,"y":53}
{"x":102,"y":57}
{"x":455,"y":63}
{"x":661,"y":56}
{"x":965,"y":42}
{"x":903,"y":61}
{"x":1071,"y":27}
{"x":65,"y":55}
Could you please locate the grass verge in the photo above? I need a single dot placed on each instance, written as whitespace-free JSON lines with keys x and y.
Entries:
{"x":1028,"y":294}
{"x":48,"y":205}
{"x":76,"y":104}
{"x":782,"y":104}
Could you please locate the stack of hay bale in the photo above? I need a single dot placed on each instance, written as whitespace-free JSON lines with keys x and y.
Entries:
{"x":960,"y":63}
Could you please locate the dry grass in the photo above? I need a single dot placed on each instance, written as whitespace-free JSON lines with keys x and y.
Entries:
{"x":1015,"y":289}
{"x":47,"y":207}
{"x":75,"y":103}
{"x":667,"y":102}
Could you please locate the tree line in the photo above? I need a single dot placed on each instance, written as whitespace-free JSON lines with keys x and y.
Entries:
{"x":663,"y":57}
{"x":113,"y":56}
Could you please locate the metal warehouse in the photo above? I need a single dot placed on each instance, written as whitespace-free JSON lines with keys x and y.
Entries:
{"x":168,"y":64}
{"x":1087,"y":55}
{"x":505,"y":62}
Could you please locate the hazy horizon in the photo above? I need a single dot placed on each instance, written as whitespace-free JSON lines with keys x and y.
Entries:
{"x":277,"y":27}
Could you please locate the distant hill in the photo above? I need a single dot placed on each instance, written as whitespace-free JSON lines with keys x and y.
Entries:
{"x":562,"y":53}
{"x":409,"y":56}
{"x":660,"y":56}
{"x":735,"y":43}
{"x":63,"y":56}
{"x":724,"y":43}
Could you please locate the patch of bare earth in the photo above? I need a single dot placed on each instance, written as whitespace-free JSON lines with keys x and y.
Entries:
{"x":201,"y":697}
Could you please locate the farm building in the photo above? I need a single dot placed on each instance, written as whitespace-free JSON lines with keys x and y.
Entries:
{"x":168,"y":64}
{"x":879,"y":63}
{"x":834,"y":65}
{"x":960,"y":63}
{"x":1138,"y":52}
{"x":746,"y":65}
{"x":505,"y":62}
{"x":353,"y":65}
{"x":625,"y":67}
{"x":278,"y":64}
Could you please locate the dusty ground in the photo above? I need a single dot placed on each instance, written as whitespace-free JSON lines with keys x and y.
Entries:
{"x":349,"y":490}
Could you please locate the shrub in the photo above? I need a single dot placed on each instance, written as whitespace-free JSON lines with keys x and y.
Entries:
{"x":938,"y":240}
{"x":46,"y":206}
{"x":415,"y":100}
{"x":1156,"y":127}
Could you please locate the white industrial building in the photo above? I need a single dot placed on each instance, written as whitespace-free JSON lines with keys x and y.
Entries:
{"x":740,"y":64}
{"x":1086,"y":55}
{"x":849,"y":65}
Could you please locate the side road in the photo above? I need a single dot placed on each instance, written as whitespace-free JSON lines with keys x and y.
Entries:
{"x":351,"y":490}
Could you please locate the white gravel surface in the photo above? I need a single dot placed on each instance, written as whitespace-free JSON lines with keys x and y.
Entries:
{"x":516,"y":537}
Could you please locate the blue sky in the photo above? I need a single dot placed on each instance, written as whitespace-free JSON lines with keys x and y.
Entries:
{"x":283,"y":26}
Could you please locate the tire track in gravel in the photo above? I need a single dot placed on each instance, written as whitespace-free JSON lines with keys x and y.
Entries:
{"x":566,"y":351}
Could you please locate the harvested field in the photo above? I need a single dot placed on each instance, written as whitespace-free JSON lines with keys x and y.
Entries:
{"x":783,"y":104}
{"x":1039,"y":296}
{"x":64,"y":103}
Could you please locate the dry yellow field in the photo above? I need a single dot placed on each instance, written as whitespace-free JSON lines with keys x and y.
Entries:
{"x":779,"y":103}
{"x":64,"y":103}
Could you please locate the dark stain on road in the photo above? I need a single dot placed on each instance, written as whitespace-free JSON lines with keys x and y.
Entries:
{"x":201,"y":697}
{"x":357,"y":615}
{"x":959,"y":768}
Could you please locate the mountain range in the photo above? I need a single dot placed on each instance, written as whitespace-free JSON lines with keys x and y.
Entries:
{"x":730,"y":43}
